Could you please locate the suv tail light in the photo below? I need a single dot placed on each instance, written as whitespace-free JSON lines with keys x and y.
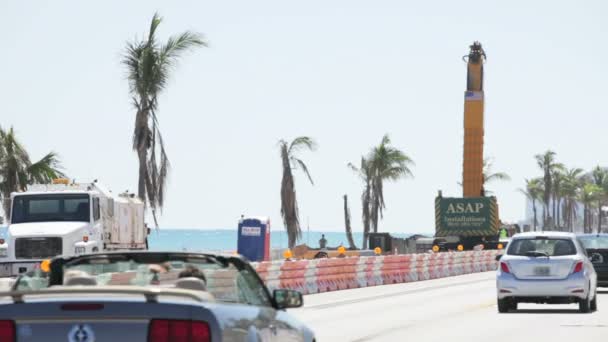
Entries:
{"x":7,"y":331}
{"x":170,"y":330}
{"x":578,"y":267}
{"x":504,"y":267}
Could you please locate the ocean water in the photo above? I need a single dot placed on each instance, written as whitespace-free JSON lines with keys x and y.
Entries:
{"x":196,"y":240}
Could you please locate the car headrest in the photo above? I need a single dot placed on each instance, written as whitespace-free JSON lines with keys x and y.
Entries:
{"x":80,"y":280}
{"x":191,"y":283}
{"x":562,"y":248}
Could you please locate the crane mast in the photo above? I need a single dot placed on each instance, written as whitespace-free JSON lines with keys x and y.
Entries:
{"x":472,"y":174}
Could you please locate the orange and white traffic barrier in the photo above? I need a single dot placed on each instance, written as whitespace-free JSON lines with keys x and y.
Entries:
{"x":334,"y":274}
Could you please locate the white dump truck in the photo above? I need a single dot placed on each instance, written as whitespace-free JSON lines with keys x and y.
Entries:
{"x":69,"y":219}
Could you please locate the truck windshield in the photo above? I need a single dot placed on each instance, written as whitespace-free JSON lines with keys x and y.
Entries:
{"x":50,"y":208}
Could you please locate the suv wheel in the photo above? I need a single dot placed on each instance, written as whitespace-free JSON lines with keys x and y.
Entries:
{"x":594,"y":302}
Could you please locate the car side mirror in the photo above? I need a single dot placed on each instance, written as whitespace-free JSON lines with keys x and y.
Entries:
{"x":595,"y":258}
{"x":498,"y":257}
{"x":285,"y":299}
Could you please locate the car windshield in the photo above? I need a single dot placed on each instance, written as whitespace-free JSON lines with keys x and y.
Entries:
{"x":50,"y":208}
{"x":227,"y":279}
{"x":594,"y":242}
{"x":540,"y":246}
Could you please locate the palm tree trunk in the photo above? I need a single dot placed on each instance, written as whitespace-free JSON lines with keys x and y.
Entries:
{"x":6,"y":206}
{"x":141,"y":183}
{"x":585,"y":218}
{"x":349,"y":232}
{"x":554,"y":210}
{"x":374,"y":214}
{"x":557,"y":217}
{"x":365,"y":205}
{"x":534,"y":210}
{"x":599,"y":216}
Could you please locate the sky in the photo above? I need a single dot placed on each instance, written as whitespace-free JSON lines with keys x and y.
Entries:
{"x":342,"y":72}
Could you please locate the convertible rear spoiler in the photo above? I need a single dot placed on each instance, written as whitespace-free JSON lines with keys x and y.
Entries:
{"x":151,"y":294}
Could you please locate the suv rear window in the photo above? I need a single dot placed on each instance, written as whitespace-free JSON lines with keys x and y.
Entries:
{"x":541,"y":246}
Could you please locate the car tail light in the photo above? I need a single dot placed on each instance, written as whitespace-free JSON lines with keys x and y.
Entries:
{"x":504,"y":267}
{"x":7,"y":331}
{"x":578,"y":267}
{"x":169,"y":330}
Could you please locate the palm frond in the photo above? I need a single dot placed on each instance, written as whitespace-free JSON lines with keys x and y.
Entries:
{"x":304,"y":168}
{"x":301,"y":142}
{"x":156,"y":20}
{"x":174,"y":46}
{"x":46,"y":169}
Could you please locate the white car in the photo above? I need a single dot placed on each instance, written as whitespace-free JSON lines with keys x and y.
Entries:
{"x":547,"y":267}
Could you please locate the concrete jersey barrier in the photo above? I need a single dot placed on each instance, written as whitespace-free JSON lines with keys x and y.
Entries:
{"x":323,"y":275}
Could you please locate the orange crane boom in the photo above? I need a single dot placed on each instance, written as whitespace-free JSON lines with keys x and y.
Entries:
{"x":472,"y":174}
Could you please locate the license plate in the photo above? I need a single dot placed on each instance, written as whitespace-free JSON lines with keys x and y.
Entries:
{"x":541,"y":271}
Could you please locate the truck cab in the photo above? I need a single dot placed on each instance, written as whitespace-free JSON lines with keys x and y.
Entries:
{"x":68,"y":219}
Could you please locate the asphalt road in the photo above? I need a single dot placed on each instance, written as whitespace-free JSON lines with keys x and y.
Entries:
{"x":460,"y":308}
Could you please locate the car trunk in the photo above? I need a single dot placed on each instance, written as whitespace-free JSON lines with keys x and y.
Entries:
{"x":88,"y":320}
{"x":541,"y":267}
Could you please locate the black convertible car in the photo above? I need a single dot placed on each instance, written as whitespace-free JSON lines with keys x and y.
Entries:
{"x":597,"y":249}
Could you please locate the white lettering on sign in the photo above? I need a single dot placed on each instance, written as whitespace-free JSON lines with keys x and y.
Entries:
{"x":251,"y":231}
{"x":462,"y":208}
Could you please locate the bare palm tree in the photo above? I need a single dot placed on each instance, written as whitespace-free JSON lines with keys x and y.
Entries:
{"x":347,"y":227}
{"x":17,"y":171}
{"x":364,"y":171}
{"x":289,"y":203}
{"x":547,"y":163}
{"x":388,"y":164}
{"x":533,"y":192}
{"x":149,"y":64}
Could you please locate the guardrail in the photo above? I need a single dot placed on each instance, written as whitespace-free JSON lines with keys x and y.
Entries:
{"x":324,"y":275}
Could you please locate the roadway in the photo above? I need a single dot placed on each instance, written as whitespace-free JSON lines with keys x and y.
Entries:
{"x":459,"y":308}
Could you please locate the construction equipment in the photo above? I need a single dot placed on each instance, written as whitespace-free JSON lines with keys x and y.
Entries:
{"x":471,"y":221}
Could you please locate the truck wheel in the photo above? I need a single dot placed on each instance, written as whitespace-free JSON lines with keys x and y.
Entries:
{"x":504,"y":305}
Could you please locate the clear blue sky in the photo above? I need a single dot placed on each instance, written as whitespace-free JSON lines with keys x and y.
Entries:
{"x":343,"y":72}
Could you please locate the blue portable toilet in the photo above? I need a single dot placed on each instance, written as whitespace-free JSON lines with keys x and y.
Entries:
{"x":254,"y":238}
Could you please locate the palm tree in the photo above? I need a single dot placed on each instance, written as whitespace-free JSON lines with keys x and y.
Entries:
{"x":489,"y":176}
{"x":600,"y":178}
{"x":588,"y":196}
{"x":557,"y":177}
{"x":547,"y":163}
{"x":388,"y":164}
{"x":289,"y":204}
{"x":364,"y":171}
{"x":569,"y":190}
{"x":149,"y":64}
{"x":17,"y":171}
{"x":533,"y":192}
{"x":347,"y":227}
